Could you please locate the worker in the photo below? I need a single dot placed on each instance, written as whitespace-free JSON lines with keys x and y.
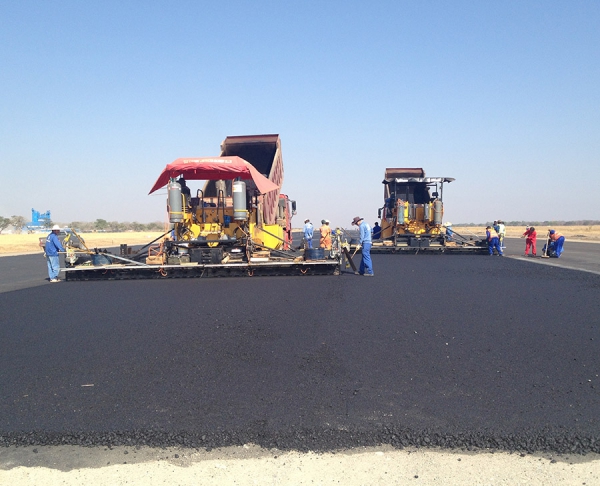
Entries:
{"x":364,"y":243}
{"x":325,"y":241}
{"x":185,"y":190}
{"x":501,"y":233}
{"x":493,"y":241}
{"x":449,"y":231}
{"x":51,"y":249}
{"x":530,"y":236}
{"x":308,"y":233}
{"x":376,"y":231}
{"x":556,"y":243}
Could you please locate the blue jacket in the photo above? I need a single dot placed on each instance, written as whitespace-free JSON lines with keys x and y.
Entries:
{"x":376,"y":232}
{"x":308,"y":231}
{"x":53,"y":246}
{"x":365,"y":233}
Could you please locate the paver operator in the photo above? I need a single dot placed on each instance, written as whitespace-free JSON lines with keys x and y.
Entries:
{"x":376,"y":231}
{"x":51,"y":249}
{"x":364,"y":243}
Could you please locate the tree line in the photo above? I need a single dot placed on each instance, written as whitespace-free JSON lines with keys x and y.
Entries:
{"x":18,"y":223}
{"x":580,"y":222}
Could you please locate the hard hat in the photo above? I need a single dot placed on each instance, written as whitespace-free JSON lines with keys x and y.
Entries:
{"x":327,"y":221}
{"x":448,"y":223}
{"x":323,"y":221}
{"x":552,"y":232}
{"x":55,"y":227}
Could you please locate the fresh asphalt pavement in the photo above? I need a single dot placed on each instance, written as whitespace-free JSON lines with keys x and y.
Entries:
{"x":440,"y":350}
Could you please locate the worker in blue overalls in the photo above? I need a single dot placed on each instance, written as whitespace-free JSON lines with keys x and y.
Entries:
{"x":51,"y":249}
{"x":493,"y":241}
{"x":364,"y":244}
{"x":308,"y":233}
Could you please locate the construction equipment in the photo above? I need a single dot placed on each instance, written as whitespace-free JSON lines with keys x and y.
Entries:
{"x":411,"y":217}
{"x":238,"y":224}
{"x":39,"y":221}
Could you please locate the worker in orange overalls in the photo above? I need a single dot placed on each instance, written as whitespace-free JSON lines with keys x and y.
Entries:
{"x":530,"y":236}
{"x":325,"y":241}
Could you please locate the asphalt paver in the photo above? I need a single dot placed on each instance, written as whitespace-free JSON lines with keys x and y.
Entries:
{"x":462,"y":351}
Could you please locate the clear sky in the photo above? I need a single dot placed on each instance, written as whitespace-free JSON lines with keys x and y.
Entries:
{"x":97,"y":97}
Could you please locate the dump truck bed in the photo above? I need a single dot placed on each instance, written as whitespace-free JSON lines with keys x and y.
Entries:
{"x":264,"y":153}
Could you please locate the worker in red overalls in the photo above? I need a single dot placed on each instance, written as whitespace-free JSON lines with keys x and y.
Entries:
{"x":530,"y":236}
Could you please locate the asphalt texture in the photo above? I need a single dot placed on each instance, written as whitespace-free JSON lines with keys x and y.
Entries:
{"x":458,"y":351}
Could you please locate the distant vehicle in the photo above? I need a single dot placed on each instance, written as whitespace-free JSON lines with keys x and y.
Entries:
{"x":411,"y":217}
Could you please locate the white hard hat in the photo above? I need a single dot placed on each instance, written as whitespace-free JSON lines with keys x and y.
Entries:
{"x":55,"y":227}
{"x":448,"y":223}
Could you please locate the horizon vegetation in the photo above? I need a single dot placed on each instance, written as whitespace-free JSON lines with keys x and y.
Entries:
{"x":19,"y":224}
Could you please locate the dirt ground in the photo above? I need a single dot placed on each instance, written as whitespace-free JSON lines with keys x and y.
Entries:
{"x":29,"y":243}
{"x":251,"y":465}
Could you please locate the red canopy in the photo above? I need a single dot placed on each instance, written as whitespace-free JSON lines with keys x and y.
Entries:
{"x":214,"y":168}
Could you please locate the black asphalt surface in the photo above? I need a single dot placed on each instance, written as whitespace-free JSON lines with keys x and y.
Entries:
{"x":452,"y":351}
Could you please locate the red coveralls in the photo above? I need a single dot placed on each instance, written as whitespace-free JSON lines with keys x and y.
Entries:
{"x":530,"y":241}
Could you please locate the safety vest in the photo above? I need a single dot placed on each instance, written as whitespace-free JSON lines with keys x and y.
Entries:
{"x":493,"y":234}
{"x":555,"y":236}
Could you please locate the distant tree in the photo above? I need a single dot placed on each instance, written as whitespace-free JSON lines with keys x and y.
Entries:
{"x":48,"y":224}
{"x":101,"y":224}
{"x":18,"y":222}
{"x":135,"y":226}
{"x":116,"y":227}
{"x":86,"y":226}
{"x":4,"y":223}
{"x":154,"y":226}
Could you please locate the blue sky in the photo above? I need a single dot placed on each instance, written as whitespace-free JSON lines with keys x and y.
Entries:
{"x":97,"y":97}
